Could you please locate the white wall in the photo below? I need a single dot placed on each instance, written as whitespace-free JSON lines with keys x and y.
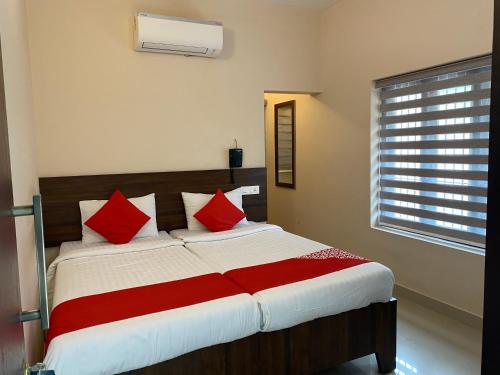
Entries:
{"x":18,"y":96}
{"x":101,"y":107}
{"x":362,"y":41}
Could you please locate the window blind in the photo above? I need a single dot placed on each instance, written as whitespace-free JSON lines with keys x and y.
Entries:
{"x":432,"y":145}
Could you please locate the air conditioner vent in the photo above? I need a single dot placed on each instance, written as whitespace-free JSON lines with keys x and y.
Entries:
{"x":174,"y":48}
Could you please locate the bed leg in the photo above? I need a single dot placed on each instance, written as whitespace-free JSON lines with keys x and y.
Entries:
{"x":386,"y":362}
{"x":385,"y":340}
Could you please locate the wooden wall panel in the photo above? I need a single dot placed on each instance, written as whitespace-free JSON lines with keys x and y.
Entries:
{"x":60,"y":196}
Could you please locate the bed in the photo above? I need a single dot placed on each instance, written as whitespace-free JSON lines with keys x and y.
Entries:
{"x":298,"y":346}
{"x":116,"y":308}
{"x":289,"y":295}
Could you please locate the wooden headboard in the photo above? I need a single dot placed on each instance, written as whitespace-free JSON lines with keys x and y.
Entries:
{"x":60,"y":196}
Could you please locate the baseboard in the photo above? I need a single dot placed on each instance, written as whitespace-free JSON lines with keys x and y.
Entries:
{"x":440,"y":307}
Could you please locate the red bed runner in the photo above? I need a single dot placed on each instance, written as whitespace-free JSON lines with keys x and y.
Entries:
{"x":265,"y":276}
{"x":108,"y":307}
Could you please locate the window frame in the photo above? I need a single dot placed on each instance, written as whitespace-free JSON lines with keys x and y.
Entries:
{"x":375,"y":154}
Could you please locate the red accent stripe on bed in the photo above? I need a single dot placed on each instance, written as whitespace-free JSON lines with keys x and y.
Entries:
{"x":109,"y":307}
{"x":265,"y":276}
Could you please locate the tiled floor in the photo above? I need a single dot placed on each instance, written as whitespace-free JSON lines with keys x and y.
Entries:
{"x":428,"y":344}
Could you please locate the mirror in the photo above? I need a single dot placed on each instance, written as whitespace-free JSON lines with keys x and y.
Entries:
{"x":284,"y":143}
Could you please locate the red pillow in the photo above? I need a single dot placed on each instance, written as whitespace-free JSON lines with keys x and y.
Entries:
{"x":118,"y":220}
{"x":219,"y":213}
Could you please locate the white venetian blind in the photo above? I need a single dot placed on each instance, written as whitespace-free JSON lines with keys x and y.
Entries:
{"x":433,"y":151}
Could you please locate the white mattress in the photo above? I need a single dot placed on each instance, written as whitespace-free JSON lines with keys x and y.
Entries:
{"x":292,"y":304}
{"x":82,"y":270}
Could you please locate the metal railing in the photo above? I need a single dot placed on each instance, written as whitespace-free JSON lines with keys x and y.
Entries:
{"x":36,"y":211}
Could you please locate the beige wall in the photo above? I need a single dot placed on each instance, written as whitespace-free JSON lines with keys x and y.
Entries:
{"x":362,"y":41}
{"x":18,"y":96}
{"x":101,"y":107}
{"x":287,"y":206}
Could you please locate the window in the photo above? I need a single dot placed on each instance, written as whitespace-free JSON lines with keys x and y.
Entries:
{"x":432,"y":152}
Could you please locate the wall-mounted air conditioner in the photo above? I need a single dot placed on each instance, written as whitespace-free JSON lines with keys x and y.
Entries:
{"x":165,"y":34}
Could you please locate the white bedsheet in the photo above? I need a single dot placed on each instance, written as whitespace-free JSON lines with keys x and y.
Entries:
{"x":295,"y":303}
{"x":204,"y":235}
{"x":82,"y":270}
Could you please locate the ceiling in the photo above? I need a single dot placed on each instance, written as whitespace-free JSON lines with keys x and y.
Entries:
{"x":316,"y":4}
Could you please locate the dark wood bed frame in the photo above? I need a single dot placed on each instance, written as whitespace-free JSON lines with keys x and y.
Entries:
{"x":303,"y":349}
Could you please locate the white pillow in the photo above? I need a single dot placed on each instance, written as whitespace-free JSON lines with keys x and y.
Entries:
{"x":146,"y":204}
{"x":193,"y":202}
